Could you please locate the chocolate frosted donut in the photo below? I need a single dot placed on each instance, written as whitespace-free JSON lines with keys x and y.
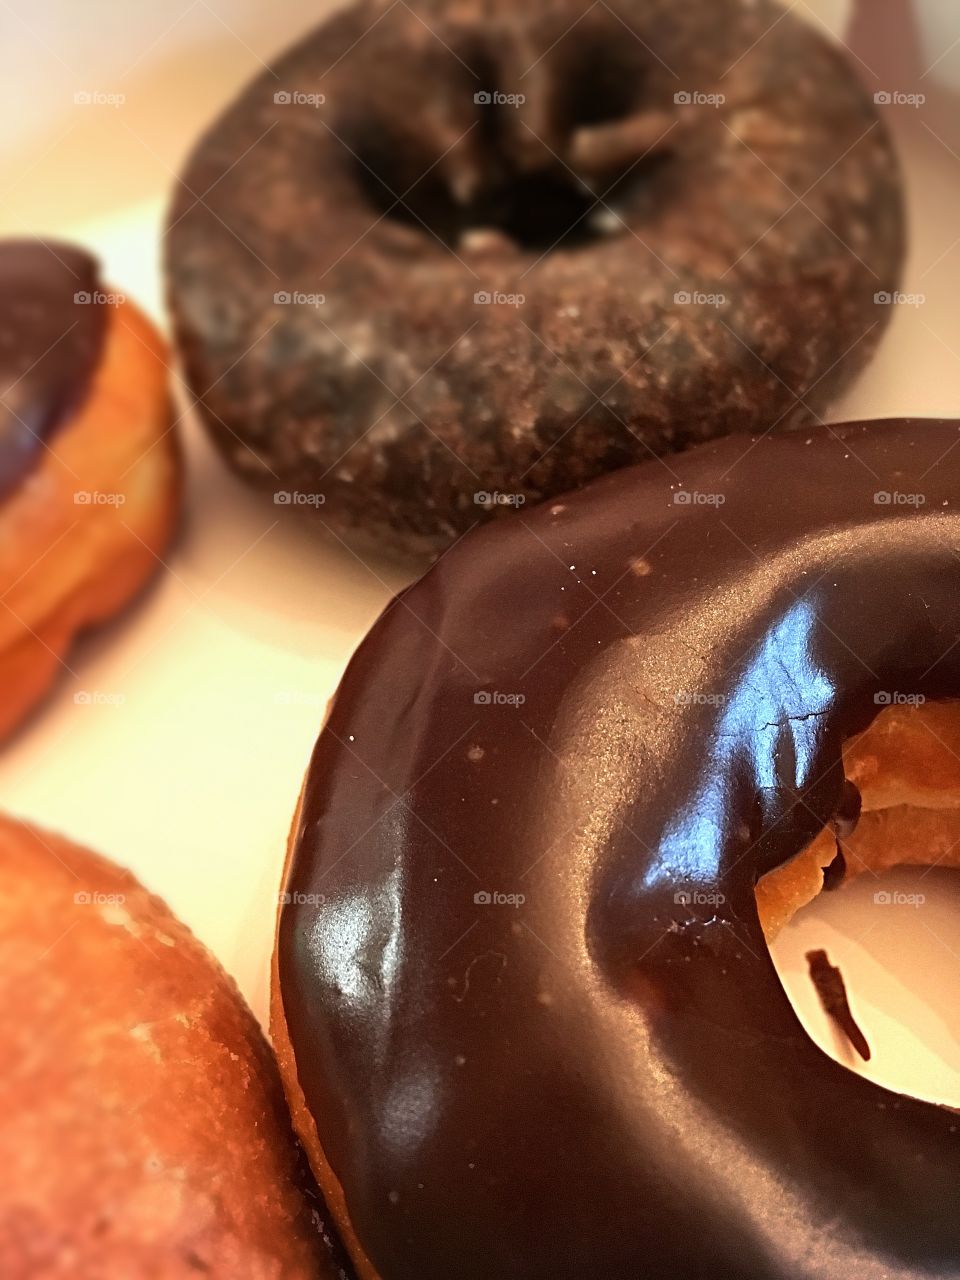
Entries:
{"x":447,"y":257}
{"x":89,"y":462}
{"x":528,"y":1018}
{"x":50,"y":346}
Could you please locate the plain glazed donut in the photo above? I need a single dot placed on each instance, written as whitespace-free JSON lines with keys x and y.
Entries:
{"x":145,"y":1135}
{"x":525,"y":1010}
{"x":444,"y":258}
{"x":89,"y":464}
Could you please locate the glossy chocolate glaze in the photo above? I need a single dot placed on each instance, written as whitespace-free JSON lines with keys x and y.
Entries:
{"x":608,"y":1079}
{"x":50,"y":344}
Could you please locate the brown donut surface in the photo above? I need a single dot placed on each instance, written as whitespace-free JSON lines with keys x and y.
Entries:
{"x":144,"y":1129}
{"x":533,"y":1028}
{"x":448,"y":257}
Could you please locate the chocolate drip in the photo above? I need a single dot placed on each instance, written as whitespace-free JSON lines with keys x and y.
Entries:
{"x":844,"y":823}
{"x":51,"y":337}
{"x":835,"y":872}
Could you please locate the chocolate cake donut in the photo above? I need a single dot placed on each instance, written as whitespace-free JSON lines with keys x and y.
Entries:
{"x":527,"y":1017}
{"x":444,"y":258}
{"x":89,"y":463}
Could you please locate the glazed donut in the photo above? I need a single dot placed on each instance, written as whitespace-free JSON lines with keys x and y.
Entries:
{"x":144,"y":1127}
{"x":445,"y":258}
{"x":526,"y":1014}
{"x":89,"y":465}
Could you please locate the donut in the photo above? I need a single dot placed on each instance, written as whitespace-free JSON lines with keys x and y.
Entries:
{"x":526,"y":1014}
{"x":906,"y":769}
{"x":145,"y":1131}
{"x":445,"y":259}
{"x":89,"y":465}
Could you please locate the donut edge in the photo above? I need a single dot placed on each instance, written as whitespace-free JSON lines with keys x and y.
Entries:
{"x":304,"y":1122}
{"x":83,"y":865}
{"x":30,"y":664}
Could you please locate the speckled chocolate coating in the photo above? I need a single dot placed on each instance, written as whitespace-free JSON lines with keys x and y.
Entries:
{"x":607,"y":1078}
{"x":399,"y":199}
{"x":51,"y":338}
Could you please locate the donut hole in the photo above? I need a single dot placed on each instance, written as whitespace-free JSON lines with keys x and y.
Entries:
{"x":429,"y":205}
{"x":537,"y":211}
{"x":540,"y":211}
{"x":892,"y":928}
{"x":603,"y":78}
{"x":507,"y":177}
{"x":899,"y":963}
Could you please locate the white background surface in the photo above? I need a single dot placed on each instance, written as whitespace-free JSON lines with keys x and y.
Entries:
{"x":222,"y":672}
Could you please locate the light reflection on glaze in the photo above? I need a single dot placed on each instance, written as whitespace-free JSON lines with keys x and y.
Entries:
{"x":356,"y":943}
{"x":782,"y":692}
{"x":411,"y":1105}
{"x":337,"y":943}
